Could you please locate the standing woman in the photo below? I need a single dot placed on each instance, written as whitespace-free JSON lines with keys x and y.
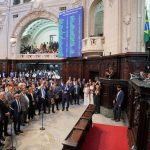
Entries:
{"x":86,"y":91}
{"x":91,"y":101}
{"x":97,"y":98}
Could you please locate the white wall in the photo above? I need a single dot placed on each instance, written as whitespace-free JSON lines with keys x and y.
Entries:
{"x":3,"y":31}
{"x":119,"y":32}
{"x":111,"y":27}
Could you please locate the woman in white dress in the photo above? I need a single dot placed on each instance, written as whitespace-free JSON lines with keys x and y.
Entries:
{"x":91,"y":101}
{"x":86,"y":91}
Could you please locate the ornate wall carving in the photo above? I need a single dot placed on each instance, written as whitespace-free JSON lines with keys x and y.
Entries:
{"x":2,"y":19}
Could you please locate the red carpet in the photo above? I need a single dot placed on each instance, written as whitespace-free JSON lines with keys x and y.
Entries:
{"x":106,"y":137}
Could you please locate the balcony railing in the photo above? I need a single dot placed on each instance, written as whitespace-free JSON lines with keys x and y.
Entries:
{"x":52,"y":56}
{"x":93,"y":44}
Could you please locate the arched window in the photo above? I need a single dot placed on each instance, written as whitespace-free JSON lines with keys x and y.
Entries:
{"x":25,"y":1}
{"x":99,"y":19}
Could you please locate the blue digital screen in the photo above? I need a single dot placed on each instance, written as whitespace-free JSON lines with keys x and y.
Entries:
{"x":70,"y":33}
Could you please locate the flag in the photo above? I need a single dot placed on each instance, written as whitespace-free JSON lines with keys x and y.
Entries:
{"x":146,"y":29}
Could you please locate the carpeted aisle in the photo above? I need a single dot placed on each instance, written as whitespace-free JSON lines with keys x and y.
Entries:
{"x":106,"y":137}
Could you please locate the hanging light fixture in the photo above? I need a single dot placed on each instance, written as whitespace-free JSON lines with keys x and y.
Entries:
{"x":13,"y":40}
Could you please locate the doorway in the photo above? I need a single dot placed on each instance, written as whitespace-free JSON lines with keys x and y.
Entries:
{"x":94,"y":75}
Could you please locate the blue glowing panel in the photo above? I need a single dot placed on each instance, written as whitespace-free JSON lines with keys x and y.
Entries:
{"x":70,"y":33}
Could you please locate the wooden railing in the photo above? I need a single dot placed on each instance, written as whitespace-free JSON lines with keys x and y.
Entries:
{"x":36,"y":56}
{"x":77,"y":135}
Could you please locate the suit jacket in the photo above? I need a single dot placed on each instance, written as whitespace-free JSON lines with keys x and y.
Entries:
{"x":16,"y":111}
{"x":76,"y":87}
{"x":31,"y":99}
{"x":50,"y":95}
{"x":24,"y":103}
{"x":39,"y":93}
{"x":66,"y":90}
{"x":9,"y":97}
{"x":120,"y":97}
{"x":2,"y":110}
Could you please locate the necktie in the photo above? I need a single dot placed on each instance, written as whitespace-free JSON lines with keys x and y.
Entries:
{"x":18,"y":104}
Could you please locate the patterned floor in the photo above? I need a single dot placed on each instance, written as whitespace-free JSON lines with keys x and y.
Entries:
{"x":57,"y":126}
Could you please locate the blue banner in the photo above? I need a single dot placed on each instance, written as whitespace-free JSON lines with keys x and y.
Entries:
{"x":70,"y":33}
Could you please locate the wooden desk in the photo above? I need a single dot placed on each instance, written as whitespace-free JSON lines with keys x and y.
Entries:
{"x":91,"y":108}
{"x":87,"y":115}
{"x":82,"y":124}
{"x":138,"y":112}
{"x":77,"y":135}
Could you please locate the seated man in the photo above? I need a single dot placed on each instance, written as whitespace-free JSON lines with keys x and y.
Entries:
{"x":16,"y":106}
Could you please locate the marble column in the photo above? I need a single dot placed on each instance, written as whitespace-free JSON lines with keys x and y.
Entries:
{"x":137,"y":26}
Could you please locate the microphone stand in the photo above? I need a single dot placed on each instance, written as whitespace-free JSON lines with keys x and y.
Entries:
{"x":42,"y":128}
{"x":12,"y":145}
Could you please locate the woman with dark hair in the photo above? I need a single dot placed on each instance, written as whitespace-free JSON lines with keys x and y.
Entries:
{"x":50,"y":100}
{"x":97,"y":98}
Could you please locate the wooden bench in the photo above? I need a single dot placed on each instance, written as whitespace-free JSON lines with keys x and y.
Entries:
{"x":77,"y":135}
{"x":73,"y":140}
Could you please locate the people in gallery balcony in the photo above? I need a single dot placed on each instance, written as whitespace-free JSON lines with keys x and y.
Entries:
{"x":45,"y":48}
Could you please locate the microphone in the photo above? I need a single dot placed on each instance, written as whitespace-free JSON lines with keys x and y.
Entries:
{"x":11,"y":108}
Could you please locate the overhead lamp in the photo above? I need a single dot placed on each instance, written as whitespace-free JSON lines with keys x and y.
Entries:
{"x":13,"y":40}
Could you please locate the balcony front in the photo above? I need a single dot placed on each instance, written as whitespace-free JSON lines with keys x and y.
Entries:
{"x":53,"y":56}
{"x":93,"y":46}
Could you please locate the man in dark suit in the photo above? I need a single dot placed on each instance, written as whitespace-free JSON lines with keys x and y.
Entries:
{"x":16,"y":112}
{"x":31,"y":103}
{"x":118,"y":103}
{"x":76,"y":92}
{"x":6,"y":117}
{"x":65,"y":96}
{"x":42,"y":97}
{"x":3,"y":114}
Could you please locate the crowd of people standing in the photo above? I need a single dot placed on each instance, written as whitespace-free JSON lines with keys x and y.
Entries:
{"x":21,"y":100}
